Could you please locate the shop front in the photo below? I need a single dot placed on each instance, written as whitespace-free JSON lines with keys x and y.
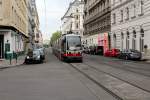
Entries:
{"x":103,"y":41}
{"x":1,"y":46}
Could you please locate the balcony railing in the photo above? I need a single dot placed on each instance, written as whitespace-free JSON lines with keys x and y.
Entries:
{"x":99,"y":14}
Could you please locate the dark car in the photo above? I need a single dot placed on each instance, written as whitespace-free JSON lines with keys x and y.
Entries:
{"x":130,"y":54}
{"x":99,"y":50}
{"x":92,"y":50}
{"x":86,"y":50}
{"x":33,"y":57}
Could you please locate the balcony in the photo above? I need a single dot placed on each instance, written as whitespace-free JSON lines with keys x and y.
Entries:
{"x":94,"y":4}
{"x":99,"y":14}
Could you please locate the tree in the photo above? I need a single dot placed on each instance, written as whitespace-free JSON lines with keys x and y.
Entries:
{"x":55,"y":36}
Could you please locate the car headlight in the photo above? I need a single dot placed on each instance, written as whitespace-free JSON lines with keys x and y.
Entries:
{"x":28,"y":57}
{"x":131,"y":55}
{"x":38,"y":57}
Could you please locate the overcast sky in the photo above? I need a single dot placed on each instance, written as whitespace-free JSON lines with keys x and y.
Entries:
{"x":55,"y":9}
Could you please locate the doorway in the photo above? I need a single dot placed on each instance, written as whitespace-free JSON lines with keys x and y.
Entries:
{"x":1,"y":46}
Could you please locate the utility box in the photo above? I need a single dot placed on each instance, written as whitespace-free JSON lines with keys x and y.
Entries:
{"x":9,"y":55}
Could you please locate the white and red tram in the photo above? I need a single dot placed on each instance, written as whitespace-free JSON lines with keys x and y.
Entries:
{"x":68,"y":47}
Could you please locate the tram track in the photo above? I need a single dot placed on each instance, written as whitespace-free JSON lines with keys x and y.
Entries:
{"x":117,"y":96}
{"x":118,"y":78}
{"x":125,"y":67}
{"x":99,"y":84}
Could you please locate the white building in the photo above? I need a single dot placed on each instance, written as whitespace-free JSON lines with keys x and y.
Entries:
{"x":73,"y":18}
{"x":130,"y":25}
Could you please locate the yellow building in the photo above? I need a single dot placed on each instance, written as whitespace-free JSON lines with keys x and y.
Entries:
{"x":13,"y":26}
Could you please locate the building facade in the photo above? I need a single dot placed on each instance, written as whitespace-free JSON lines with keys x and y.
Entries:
{"x":97,"y":23}
{"x":13,"y":26}
{"x":31,"y":22}
{"x":130,"y":25}
{"x":39,"y":40}
{"x":73,"y":18}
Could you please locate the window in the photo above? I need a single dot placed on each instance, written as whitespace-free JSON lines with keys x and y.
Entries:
{"x":142,"y":40}
{"x":127,"y":13}
{"x":113,"y":2}
{"x":127,"y":40}
{"x":115,"y":40}
{"x":1,"y":9}
{"x":77,"y":10}
{"x":77,"y":17}
{"x":134,"y":40}
{"x":122,"y":39}
{"x":114,"y":18}
{"x":134,"y":10}
{"x":121,"y":15}
{"x":77,"y":25}
{"x":141,"y":5}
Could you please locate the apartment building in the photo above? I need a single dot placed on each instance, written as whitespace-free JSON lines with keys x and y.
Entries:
{"x":73,"y":18}
{"x":97,"y":23}
{"x":13,"y":26}
{"x":130,"y":25}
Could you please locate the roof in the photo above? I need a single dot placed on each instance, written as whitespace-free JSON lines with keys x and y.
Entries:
{"x":75,"y":2}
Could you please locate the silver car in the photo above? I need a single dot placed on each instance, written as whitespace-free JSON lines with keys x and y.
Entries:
{"x":34,"y":56}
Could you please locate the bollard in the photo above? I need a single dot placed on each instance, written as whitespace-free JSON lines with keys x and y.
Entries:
{"x":10,"y":59}
{"x":16,"y":58}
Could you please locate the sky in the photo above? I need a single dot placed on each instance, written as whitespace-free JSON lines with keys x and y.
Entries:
{"x":51,"y":22}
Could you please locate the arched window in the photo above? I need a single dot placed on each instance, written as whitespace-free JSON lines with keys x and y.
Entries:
{"x":142,"y":40}
{"x":115,"y":40}
{"x":141,"y":5}
{"x":127,"y":40}
{"x":122,"y":39}
{"x":134,"y":40}
{"x":127,"y":12}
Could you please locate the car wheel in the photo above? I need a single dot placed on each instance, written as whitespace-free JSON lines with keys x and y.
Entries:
{"x":126,"y":57}
{"x":81,"y":60}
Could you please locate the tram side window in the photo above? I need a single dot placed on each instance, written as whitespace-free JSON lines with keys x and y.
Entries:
{"x":63,"y":44}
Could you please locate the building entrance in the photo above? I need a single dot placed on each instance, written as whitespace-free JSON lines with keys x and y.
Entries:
{"x":1,"y":46}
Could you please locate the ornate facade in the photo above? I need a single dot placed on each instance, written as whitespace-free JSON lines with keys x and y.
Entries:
{"x":130,"y":25}
{"x":96,"y":20}
{"x":73,"y":18}
{"x":13,"y":26}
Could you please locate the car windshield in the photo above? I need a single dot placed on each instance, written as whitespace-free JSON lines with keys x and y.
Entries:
{"x":74,"y":43}
{"x":36,"y":52}
{"x":134,"y":50}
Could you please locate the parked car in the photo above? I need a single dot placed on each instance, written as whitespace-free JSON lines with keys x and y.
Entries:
{"x":115,"y":52}
{"x":92,"y":49}
{"x":86,"y":50}
{"x":99,"y":50}
{"x":130,"y":54}
{"x":107,"y":53}
{"x":112,"y":53}
{"x":42,"y":53}
{"x":33,"y":57}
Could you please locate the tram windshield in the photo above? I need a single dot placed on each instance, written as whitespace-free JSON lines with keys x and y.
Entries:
{"x":74,"y":43}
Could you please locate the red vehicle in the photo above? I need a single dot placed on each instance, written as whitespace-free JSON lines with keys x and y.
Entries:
{"x":112,"y":53}
{"x":107,"y":53}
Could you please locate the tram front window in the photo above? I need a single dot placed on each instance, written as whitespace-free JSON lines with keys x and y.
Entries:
{"x":74,"y":43}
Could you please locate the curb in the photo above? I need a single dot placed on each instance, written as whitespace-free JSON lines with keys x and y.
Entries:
{"x":2,"y":68}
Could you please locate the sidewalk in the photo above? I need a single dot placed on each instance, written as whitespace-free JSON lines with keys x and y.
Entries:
{"x":6,"y":63}
{"x":146,"y":58}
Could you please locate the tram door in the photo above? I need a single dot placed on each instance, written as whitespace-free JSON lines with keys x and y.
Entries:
{"x":1,"y":46}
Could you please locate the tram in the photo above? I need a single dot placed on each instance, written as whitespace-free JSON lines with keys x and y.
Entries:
{"x":68,"y":47}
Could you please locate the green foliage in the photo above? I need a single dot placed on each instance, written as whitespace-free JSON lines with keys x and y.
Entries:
{"x":55,"y":36}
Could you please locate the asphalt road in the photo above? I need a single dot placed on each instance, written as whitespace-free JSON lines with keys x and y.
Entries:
{"x":97,"y":78}
{"x":51,"y":80}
